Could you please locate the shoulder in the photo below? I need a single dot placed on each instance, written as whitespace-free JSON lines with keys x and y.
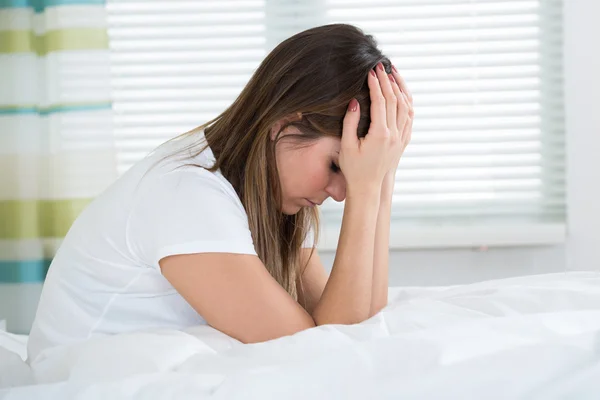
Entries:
{"x":191,"y":189}
{"x":173,"y":177}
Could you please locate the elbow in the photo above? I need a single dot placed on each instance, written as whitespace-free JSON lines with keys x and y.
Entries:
{"x":275,"y":331}
{"x":341,"y":319}
{"x":377,"y":308}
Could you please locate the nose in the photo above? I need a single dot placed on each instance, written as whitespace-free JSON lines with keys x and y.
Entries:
{"x":337,"y":188}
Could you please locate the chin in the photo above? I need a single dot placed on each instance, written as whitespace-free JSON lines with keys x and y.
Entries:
{"x":288,"y":209}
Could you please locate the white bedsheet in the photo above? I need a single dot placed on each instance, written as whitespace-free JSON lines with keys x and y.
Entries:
{"x":534,"y":337}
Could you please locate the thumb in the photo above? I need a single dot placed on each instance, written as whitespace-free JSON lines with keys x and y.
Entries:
{"x":350,"y":125}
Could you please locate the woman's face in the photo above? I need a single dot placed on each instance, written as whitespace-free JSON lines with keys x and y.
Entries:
{"x":308,"y":174}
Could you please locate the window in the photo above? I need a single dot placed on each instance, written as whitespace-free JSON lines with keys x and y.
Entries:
{"x":486,"y":162}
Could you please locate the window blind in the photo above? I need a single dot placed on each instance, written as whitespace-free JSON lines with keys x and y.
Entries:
{"x":488,"y":137}
{"x":178,"y":64}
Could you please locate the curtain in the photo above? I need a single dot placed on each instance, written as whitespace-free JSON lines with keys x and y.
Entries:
{"x":56,"y":139}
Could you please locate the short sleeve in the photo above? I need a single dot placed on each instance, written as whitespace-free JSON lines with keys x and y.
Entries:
{"x":187,"y":211}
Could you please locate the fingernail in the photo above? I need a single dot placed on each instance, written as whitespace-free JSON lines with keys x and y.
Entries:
{"x":353,"y":105}
{"x":392,"y":78}
{"x":380,"y":65}
{"x":372,"y":72}
{"x":394,"y":68}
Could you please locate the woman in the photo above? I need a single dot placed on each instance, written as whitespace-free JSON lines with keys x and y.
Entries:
{"x":218,"y":225}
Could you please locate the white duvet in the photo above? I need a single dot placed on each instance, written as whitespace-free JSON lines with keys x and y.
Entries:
{"x":534,"y":337}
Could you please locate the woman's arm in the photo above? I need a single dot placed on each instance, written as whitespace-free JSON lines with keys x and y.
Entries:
{"x":379,"y":295}
{"x":312,"y":280}
{"x":347,"y":294}
{"x":404,"y":119}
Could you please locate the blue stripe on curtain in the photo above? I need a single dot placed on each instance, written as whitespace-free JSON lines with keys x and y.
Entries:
{"x":24,"y":271}
{"x":40,"y":5}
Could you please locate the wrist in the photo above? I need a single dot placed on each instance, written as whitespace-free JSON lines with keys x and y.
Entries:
{"x":387,"y":186}
{"x":364,"y":193}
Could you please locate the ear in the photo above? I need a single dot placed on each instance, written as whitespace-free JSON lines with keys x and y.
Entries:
{"x":277,"y":126}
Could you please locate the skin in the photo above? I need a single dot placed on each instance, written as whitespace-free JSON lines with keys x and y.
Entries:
{"x":309,"y":174}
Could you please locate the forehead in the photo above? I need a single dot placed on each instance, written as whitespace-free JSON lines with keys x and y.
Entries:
{"x":328,"y":143}
{"x":324,"y":147}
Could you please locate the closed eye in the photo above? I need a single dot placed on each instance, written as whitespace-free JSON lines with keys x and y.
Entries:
{"x":334,"y":167}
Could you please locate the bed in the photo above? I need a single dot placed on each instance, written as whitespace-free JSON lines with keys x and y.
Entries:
{"x":531,"y":337}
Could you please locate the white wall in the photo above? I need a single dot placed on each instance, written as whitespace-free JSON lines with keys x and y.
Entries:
{"x":456,"y":266}
{"x":582,"y":249}
{"x":582,"y":96}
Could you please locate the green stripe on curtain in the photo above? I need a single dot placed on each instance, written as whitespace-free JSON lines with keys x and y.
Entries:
{"x":25,"y":41}
{"x":57,"y":108}
{"x":24,"y":271}
{"x":40,"y":5}
{"x":30,"y":219}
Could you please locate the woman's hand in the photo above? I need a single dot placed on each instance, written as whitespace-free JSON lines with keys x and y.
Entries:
{"x":366,"y":162}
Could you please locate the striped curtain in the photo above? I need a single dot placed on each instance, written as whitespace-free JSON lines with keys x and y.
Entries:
{"x":56,"y":138}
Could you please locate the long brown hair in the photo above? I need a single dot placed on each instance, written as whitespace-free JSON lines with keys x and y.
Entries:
{"x":315,"y":74}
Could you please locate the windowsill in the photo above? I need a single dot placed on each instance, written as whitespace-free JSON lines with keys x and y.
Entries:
{"x":404,"y":237}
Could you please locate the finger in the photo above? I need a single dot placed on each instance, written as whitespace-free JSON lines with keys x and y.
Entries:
{"x":399,"y":104}
{"x":407,"y":132}
{"x":411,"y":110}
{"x":407,"y":123}
{"x":378,"y":119}
{"x":407,"y":109}
{"x":402,"y":84}
{"x":350,"y":125}
{"x":391,"y":101}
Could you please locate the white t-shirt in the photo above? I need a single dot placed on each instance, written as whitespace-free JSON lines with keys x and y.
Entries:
{"x":105,"y":277}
